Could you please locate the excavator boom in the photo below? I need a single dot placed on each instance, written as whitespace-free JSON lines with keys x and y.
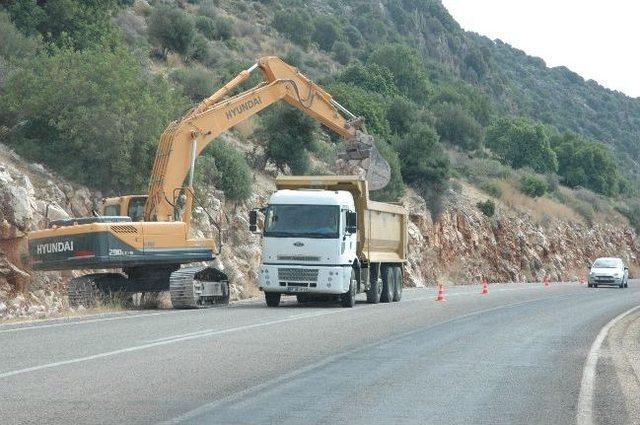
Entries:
{"x":184,"y":140}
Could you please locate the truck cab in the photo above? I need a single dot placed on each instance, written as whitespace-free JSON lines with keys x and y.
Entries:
{"x":309,"y":242}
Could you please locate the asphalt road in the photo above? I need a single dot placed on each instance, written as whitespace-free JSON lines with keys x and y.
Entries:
{"x":524,"y":354}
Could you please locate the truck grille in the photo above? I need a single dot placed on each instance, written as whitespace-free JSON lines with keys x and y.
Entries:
{"x":297,"y":258}
{"x":297,"y":275}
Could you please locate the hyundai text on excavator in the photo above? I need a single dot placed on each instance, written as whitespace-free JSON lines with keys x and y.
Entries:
{"x":147,"y":236}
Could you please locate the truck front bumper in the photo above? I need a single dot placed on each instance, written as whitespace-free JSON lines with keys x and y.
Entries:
{"x":296,"y":279}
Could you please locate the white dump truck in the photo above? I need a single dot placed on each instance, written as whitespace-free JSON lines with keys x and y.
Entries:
{"x":323,"y":238}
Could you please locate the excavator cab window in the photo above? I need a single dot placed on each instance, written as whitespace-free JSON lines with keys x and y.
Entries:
{"x":112,"y":210}
{"x":136,"y":209}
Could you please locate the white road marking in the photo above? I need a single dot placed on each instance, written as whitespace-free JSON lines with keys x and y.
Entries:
{"x":584,"y":415}
{"x":208,"y":407}
{"x":81,"y":322}
{"x":170,"y":340}
{"x":187,"y":336}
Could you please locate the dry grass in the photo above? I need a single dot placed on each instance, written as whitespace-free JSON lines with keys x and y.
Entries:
{"x":540,"y":209}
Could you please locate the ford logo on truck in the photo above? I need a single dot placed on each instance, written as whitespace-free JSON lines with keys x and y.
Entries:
{"x":54,"y":247}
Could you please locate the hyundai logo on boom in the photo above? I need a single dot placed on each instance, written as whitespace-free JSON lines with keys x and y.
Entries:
{"x":249,"y":104}
{"x":54,"y":247}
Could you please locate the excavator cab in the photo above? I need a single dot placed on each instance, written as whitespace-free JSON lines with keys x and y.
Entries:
{"x":131,"y":206}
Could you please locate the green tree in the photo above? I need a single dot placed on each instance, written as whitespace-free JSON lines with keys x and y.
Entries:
{"x":222,"y":166}
{"x":371,"y":77}
{"x":402,"y":114}
{"x":407,"y":68}
{"x":363,"y":103}
{"x":172,"y":29}
{"x":80,"y":23}
{"x":586,"y":163}
{"x":425,"y":165}
{"x":341,"y":52}
{"x":326,"y":32}
{"x":288,"y":134}
{"x":295,"y":24}
{"x":92,"y":115}
{"x":456,"y":126}
{"x":521,"y":143}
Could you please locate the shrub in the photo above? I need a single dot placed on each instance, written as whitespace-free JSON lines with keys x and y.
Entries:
{"x":223,"y":28}
{"x":200,"y":49}
{"x":326,"y":32}
{"x":196,"y":83}
{"x":458,"y":127}
{"x":295,"y":24}
{"x":172,"y":29}
{"x":402,"y":114}
{"x":342,"y":52}
{"x":206,"y":26}
{"x":532,"y":186}
{"x":487,"y":207}
{"x":407,"y":68}
{"x":288,"y":134}
{"x":371,"y":77}
{"x":226,"y":168}
{"x":492,"y":188}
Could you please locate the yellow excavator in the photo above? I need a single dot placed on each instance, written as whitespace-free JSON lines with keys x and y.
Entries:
{"x":147,"y":236}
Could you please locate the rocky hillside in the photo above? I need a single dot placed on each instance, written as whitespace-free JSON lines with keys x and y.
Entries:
{"x":460,"y":247}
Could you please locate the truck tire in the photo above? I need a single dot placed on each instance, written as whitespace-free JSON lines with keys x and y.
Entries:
{"x":375,"y":289}
{"x":348,"y":299}
{"x":387,"y":284}
{"x":272,"y":299}
{"x":398,"y":284}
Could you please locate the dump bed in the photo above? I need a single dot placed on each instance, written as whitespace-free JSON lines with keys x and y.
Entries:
{"x":382,"y":227}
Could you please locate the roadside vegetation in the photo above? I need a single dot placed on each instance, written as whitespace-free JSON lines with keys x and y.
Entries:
{"x":95,"y":83}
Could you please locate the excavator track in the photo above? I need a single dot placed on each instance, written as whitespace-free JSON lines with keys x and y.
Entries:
{"x":198,"y":287}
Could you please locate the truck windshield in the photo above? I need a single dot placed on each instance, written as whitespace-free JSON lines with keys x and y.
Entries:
{"x":309,"y":221}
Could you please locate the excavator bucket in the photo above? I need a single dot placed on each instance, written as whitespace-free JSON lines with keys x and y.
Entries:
{"x":362,"y":151}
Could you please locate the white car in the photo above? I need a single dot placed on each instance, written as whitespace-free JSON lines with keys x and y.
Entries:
{"x":608,"y":271}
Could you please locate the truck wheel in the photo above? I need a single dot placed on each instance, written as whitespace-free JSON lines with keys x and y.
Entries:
{"x":387,"y":285}
{"x":375,"y":290}
{"x":349,"y":298}
{"x":397,"y":287}
{"x":272,"y":298}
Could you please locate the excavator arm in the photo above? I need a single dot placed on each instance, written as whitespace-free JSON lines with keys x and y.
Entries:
{"x":184,"y":140}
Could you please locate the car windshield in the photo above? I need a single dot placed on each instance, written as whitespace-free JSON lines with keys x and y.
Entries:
{"x":606,"y":263}
{"x":311,"y":221}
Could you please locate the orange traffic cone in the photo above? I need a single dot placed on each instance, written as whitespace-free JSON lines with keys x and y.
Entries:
{"x":546,"y":281}
{"x":485,"y":287}
{"x":440,"y":296}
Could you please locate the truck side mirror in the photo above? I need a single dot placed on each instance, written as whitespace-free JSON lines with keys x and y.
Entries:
{"x":352,"y":223}
{"x":253,"y":221}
